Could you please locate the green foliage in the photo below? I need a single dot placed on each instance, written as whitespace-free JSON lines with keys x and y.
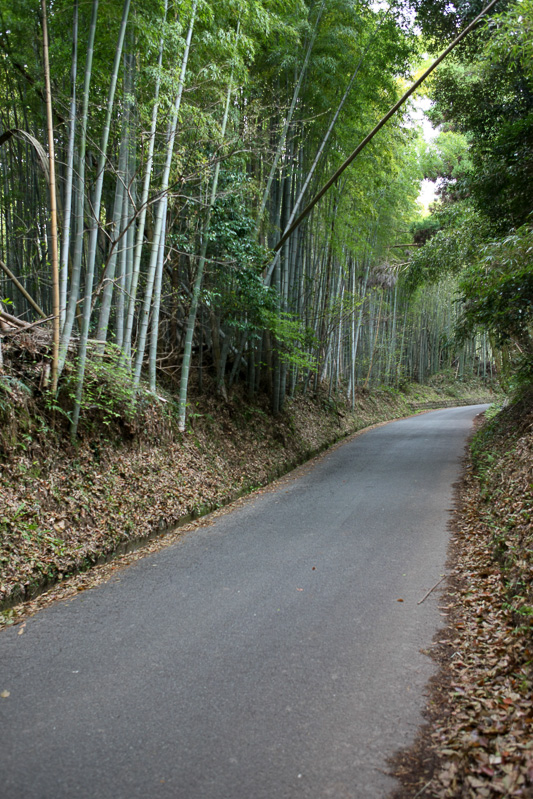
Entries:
{"x":424,"y":229}
{"x":453,"y":235}
{"x":492,"y":411}
{"x":497,"y":292}
{"x":292,"y":341}
{"x":108,"y":393}
{"x":441,"y":21}
{"x":447,"y":156}
{"x":513,"y":35}
{"x":491,"y":103}
{"x":483,"y":159}
{"x":232,"y":227}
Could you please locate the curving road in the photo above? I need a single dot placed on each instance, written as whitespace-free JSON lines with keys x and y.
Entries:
{"x":266,"y":656}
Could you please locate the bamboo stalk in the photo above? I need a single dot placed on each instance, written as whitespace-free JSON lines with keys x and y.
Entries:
{"x":14,"y":320}
{"x":67,"y":204}
{"x":161,"y":206}
{"x":53,"y":201}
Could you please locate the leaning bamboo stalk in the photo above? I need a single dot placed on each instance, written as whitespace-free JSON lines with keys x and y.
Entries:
{"x":157,"y":302}
{"x":19,"y":326}
{"x":383,"y":121}
{"x":13,"y":320}
{"x":121,"y":285}
{"x":311,"y":172}
{"x":22,"y":290}
{"x":118,"y":233}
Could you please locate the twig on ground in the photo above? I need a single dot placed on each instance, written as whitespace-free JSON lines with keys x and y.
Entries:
{"x":421,"y":791}
{"x":431,"y":589}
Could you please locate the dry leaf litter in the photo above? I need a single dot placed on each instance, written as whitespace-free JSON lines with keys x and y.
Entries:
{"x":478,"y":743}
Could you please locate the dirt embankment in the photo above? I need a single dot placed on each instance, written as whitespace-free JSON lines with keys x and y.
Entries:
{"x":64,"y":509}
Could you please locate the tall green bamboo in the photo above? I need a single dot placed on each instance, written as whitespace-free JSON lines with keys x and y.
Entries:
{"x":80,"y":199}
{"x":53,"y":199}
{"x":143,"y":203}
{"x":93,"y":235}
{"x":67,"y":198}
{"x":191,"y":320}
{"x":161,"y":206}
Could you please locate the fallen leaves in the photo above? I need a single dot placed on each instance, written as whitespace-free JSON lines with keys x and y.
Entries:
{"x":479,"y":742}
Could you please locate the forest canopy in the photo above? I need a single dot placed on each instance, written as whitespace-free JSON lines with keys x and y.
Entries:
{"x":185,"y":138}
{"x":481,"y":230}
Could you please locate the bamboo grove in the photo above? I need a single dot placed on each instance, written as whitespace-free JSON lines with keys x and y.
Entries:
{"x":177,"y":141}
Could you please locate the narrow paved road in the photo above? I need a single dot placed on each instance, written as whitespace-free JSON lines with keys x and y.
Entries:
{"x":266,"y":656}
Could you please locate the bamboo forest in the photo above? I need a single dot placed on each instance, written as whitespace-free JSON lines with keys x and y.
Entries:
{"x":266,"y":399}
{"x":153,"y":152}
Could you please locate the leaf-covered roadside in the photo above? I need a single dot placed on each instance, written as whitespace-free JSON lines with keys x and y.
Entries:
{"x":478,"y":743}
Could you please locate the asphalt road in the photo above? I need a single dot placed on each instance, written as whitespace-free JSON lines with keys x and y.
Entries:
{"x":266,"y":656}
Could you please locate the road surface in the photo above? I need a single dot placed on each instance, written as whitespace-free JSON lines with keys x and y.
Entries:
{"x":274,"y":654}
